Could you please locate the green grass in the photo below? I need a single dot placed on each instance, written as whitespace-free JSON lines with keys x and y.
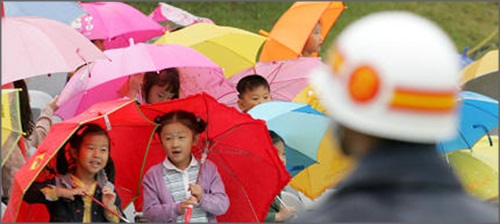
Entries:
{"x":467,"y":23}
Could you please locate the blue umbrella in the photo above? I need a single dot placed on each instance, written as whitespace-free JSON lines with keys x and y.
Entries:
{"x":301,"y":127}
{"x":478,"y":116}
{"x":65,"y":12}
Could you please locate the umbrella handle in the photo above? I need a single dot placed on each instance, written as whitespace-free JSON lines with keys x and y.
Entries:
{"x":281,"y":201}
{"x":105,"y":207}
{"x":485,"y":130}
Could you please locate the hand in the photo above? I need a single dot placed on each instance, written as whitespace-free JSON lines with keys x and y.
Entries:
{"x":196,"y":191}
{"x":285,"y":213}
{"x":52,"y":103}
{"x":108,"y":197}
{"x":185,"y":204}
{"x":70,"y":193}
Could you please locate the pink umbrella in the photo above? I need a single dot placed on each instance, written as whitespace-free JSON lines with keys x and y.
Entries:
{"x":168,"y":13}
{"x":34,"y":46}
{"x":116,"y":22}
{"x":286,"y":78}
{"x":101,"y":81}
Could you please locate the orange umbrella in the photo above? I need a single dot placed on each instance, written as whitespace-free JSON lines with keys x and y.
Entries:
{"x":290,"y":33}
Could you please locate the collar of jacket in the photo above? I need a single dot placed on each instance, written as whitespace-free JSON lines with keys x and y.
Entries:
{"x":65,"y":180}
{"x":401,"y":165}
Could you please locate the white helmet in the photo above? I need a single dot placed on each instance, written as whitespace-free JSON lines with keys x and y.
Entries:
{"x":393,"y":75}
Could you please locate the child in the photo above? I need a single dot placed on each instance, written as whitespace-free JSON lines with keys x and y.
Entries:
{"x":161,"y":87}
{"x":313,"y":43}
{"x":86,"y":173}
{"x":278,"y":212}
{"x":171,"y":186}
{"x":252,"y":91}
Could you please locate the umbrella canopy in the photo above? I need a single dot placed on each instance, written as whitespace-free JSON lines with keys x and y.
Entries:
{"x":331,"y":168}
{"x":231,"y":48}
{"x":308,"y":96}
{"x":486,"y":64}
{"x":290,"y":33}
{"x":286,"y":78}
{"x":242,"y":150}
{"x":123,"y":121}
{"x":11,"y":122}
{"x":482,"y":75}
{"x":101,"y":81}
{"x":301,"y":127}
{"x":477,"y":168}
{"x":168,"y":13}
{"x":65,"y":12}
{"x":34,"y":46}
{"x":115,"y":23}
{"x":486,"y":84}
{"x":478,"y":116}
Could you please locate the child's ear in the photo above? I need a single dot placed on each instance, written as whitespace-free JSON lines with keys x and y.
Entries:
{"x":241,"y":105}
{"x":73,"y":152}
{"x":196,"y":138}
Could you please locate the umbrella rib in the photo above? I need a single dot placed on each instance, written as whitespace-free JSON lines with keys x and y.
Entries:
{"x":275,"y":72}
{"x":223,"y":165}
{"x":235,"y":150}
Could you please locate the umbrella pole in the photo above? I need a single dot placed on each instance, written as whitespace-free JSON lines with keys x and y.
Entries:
{"x":281,"y":201}
{"x":105,"y":207}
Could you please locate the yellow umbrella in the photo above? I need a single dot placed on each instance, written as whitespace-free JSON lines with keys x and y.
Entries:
{"x":332,"y":167}
{"x":231,"y":48}
{"x":478,"y":168}
{"x":308,"y":96}
{"x":486,"y":64}
{"x":482,"y":76}
{"x":11,"y":122}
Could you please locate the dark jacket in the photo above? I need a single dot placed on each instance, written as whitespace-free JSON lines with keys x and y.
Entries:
{"x":401,"y":182}
{"x":275,"y":208}
{"x":65,"y":210}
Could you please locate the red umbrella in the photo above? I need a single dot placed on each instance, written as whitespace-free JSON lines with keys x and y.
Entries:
{"x":241,"y":148}
{"x":123,"y":121}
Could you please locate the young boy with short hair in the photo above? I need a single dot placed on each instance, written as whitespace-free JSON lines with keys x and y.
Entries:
{"x":252,"y":91}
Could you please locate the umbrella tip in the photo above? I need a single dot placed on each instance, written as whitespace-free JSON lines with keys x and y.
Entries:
{"x":131,"y":41}
{"x":263,"y":33}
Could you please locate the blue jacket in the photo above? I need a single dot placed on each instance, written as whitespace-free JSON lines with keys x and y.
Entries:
{"x":401,"y":182}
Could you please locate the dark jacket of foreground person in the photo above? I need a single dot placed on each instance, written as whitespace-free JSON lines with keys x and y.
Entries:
{"x":402,"y":182}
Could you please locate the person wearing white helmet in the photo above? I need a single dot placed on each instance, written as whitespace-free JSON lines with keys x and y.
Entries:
{"x":390,"y":86}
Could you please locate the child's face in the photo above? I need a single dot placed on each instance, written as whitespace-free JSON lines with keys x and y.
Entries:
{"x":313,"y":44}
{"x":254,"y":97}
{"x":281,"y":151}
{"x":177,"y":140}
{"x":93,"y":154}
{"x":159,"y":94}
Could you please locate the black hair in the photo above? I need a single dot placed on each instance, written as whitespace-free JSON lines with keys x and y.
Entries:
{"x":249,"y":83}
{"x":75,"y":141}
{"x":169,"y":76}
{"x":27,"y":123}
{"x":275,"y":137}
{"x":188,"y":119}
